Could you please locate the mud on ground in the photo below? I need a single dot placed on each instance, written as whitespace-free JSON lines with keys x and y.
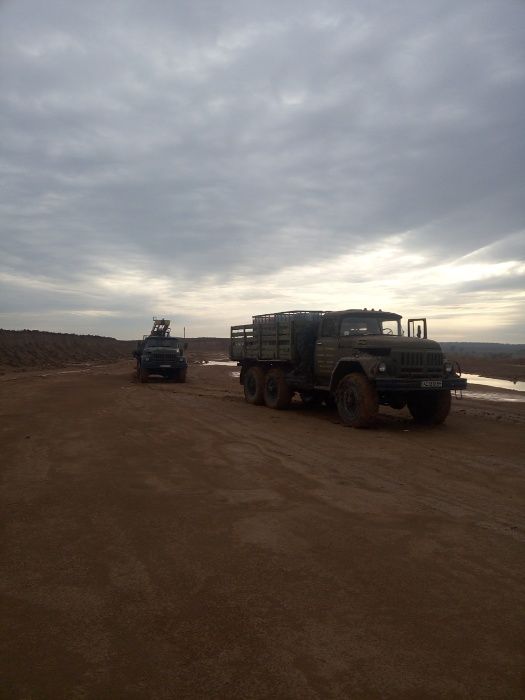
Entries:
{"x":170,"y":541}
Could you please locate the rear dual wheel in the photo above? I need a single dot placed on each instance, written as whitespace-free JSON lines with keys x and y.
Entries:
{"x":254,"y":386}
{"x":277,"y":393}
{"x":268,"y":388}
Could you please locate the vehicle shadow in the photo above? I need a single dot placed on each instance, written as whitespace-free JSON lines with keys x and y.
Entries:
{"x":387,"y":419}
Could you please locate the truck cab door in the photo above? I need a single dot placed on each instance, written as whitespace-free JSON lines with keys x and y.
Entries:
{"x":326,"y":349}
{"x":417,"y":327}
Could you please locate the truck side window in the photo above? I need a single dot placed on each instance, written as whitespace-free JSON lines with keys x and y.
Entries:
{"x":329,"y":328}
{"x":353,"y":325}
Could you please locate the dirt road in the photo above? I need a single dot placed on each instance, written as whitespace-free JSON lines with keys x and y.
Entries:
{"x":170,"y":541}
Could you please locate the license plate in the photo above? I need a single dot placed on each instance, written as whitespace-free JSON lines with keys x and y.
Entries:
{"x":164,"y":365}
{"x":431,"y":384}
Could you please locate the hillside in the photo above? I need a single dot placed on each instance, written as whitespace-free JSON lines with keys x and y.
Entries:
{"x":497,"y":360}
{"x":27,"y":349}
{"x":484,"y":349}
{"x":219,"y":346}
{"x":40,"y":349}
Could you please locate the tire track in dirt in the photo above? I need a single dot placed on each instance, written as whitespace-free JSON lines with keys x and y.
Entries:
{"x":168,"y":540}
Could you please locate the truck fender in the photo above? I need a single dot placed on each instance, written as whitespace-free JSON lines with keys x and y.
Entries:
{"x":342,"y":368}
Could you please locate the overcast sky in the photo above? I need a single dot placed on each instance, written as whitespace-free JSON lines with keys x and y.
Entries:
{"x":210,"y":160}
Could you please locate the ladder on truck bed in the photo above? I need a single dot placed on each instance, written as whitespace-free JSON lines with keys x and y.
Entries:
{"x":161,"y":327}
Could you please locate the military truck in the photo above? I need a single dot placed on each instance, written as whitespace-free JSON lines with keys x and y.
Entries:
{"x":159,"y":353}
{"x":356,"y":359}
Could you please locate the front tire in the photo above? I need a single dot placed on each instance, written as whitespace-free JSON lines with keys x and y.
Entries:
{"x":181,"y":376}
{"x":277,"y":393}
{"x":357,"y":401}
{"x":143,"y":375}
{"x":253,"y":384}
{"x":430,"y":407}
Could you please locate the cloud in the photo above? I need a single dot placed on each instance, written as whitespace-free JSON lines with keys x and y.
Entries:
{"x":202,"y":145}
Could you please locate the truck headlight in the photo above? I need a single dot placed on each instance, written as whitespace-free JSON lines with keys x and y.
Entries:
{"x":448,"y":367}
{"x":381,"y":367}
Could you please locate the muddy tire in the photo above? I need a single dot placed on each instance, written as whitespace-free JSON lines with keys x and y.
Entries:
{"x":430,"y":407}
{"x":143,"y":375}
{"x":277,"y":393}
{"x":181,"y":376}
{"x":253,"y":383}
{"x":357,"y":401}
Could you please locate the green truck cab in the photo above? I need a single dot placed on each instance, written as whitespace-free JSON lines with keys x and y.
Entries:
{"x":357,"y":359}
{"x":159,"y":353}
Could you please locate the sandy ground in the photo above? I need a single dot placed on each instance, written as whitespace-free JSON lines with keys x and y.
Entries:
{"x":170,"y":541}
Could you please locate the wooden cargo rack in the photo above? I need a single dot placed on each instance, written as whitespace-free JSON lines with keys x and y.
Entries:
{"x":270,"y":336}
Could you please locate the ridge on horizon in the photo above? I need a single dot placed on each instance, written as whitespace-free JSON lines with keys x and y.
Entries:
{"x":449,"y":343}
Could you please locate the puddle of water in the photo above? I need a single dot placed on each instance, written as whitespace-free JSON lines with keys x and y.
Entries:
{"x":518,"y":398}
{"x":498,"y":383}
{"x":513,"y":395}
{"x":222,"y":363}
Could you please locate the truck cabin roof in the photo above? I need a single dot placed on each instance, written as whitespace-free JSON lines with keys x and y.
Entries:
{"x":366,"y":312}
{"x":304,"y":315}
{"x":164,"y":339}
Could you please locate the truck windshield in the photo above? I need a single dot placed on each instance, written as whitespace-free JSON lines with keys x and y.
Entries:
{"x":362,"y":325}
{"x":163,"y":343}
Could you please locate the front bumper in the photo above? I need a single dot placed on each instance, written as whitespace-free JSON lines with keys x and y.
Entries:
{"x":394,"y":384}
{"x":164,"y":364}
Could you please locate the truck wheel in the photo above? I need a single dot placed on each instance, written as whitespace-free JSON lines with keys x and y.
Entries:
{"x":254,"y":386}
{"x":181,"y":376}
{"x":429,"y":407}
{"x":357,"y":402}
{"x":143,"y":375}
{"x":277,"y":393}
